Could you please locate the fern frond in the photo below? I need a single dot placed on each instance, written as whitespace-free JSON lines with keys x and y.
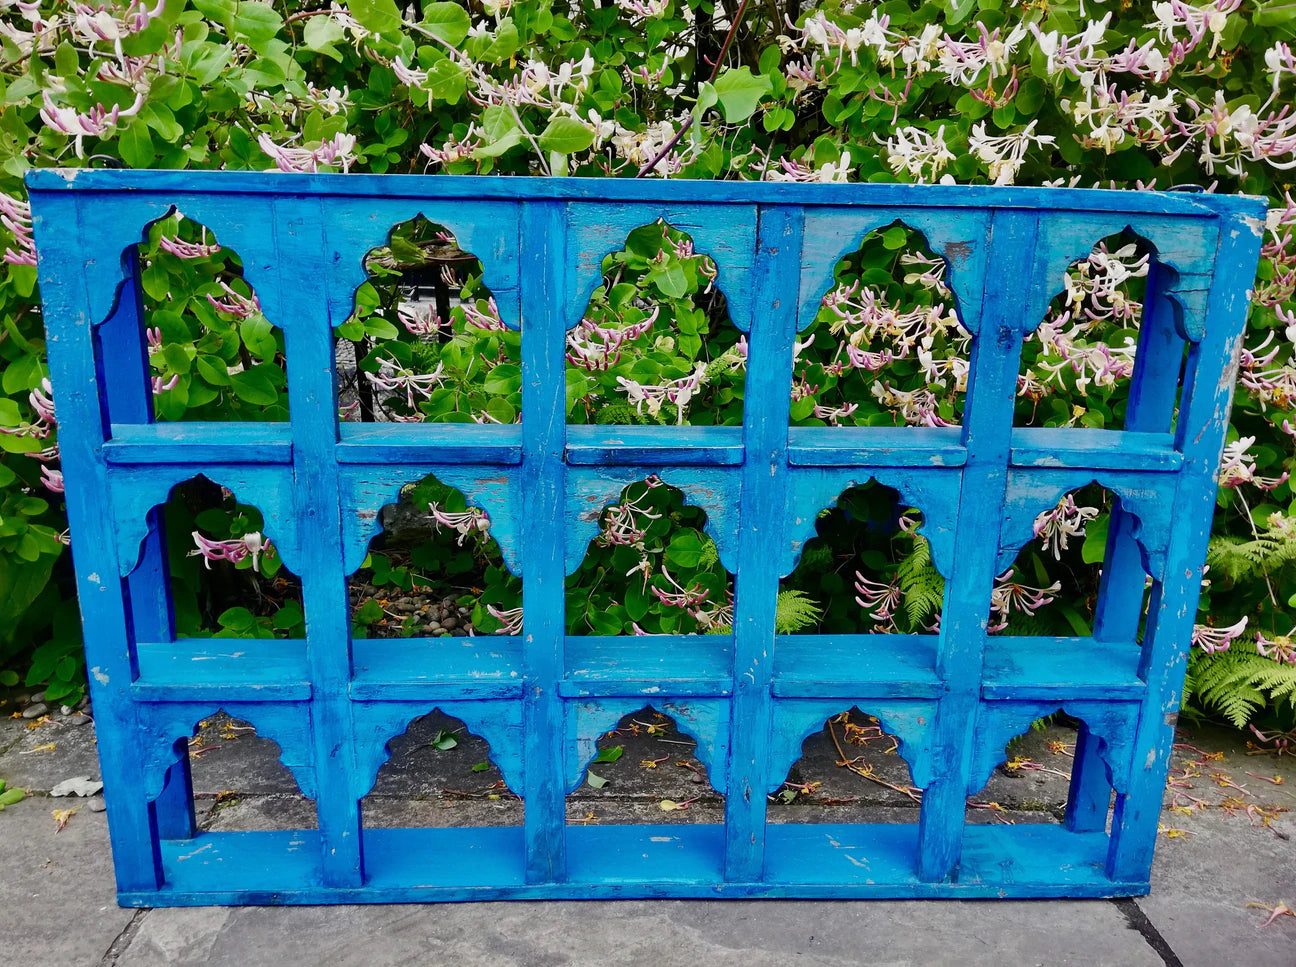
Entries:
{"x":795,"y":610}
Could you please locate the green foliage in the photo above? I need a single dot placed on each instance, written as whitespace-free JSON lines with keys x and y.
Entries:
{"x":1240,"y":682}
{"x":824,"y":93}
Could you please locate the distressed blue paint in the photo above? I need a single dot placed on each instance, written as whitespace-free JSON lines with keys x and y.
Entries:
{"x":543,"y":698}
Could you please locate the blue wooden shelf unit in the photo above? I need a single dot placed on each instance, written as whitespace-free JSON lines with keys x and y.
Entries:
{"x":540,"y":698}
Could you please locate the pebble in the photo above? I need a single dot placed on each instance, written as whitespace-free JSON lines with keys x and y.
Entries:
{"x":78,"y":719}
{"x":97,"y":805}
{"x":35,"y":710}
{"x":450,"y":623}
{"x":38,"y":698}
{"x":434,"y":626}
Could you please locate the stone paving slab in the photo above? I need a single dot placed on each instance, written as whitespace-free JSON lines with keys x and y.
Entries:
{"x":58,"y":903}
{"x":671,"y":933}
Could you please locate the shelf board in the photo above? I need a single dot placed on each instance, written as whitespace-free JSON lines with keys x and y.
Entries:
{"x":411,"y":669}
{"x":668,"y":666}
{"x":421,"y":443}
{"x":1044,"y":669}
{"x":202,"y":443}
{"x":222,"y":669}
{"x":667,"y":446}
{"x":856,"y":666}
{"x":1085,"y":449}
{"x":876,"y":446}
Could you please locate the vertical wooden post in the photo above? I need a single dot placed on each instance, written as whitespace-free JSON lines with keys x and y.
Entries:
{"x":1199,"y":434}
{"x":307,"y":322}
{"x":66,"y":250}
{"x":544,"y":417}
{"x":761,"y":533}
{"x":987,"y":432}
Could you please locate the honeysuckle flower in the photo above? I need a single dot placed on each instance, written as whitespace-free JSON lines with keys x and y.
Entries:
{"x":188,"y":250}
{"x":679,"y":597}
{"x":15,"y":215}
{"x":1214,"y":640}
{"x":1005,"y":154}
{"x":1056,"y":527}
{"x":234,"y":304}
{"x":93,"y":123}
{"x":835,"y":414}
{"x":920,"y":154}
{"x":392,"y":377}
{"x":677,"y":392}
{"x":234,"y":550}
{"x":595,"y":347}
{"x":42,"y":402}
{"x":474,"y":520}
{"x":338,"y":150}
{"x":1237,"y":467}
{"x":161,"y":384}
{"x":1009,"y":596}
{"x":510,"y":618}
{"x":828,"y":173}
{"x":419,"y":318}
{"x":91,"y":24}
{"x":626,"y":524}
{"x":1281,"y":648}
{"x":52,"y":479}
{"x":489,"y":320}
{"x":880,"y":601}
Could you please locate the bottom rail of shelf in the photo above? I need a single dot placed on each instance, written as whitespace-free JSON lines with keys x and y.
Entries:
{"x":825,"y":861}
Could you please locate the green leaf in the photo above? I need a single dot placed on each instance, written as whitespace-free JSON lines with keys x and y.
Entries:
{"x":135,"y":145}
{"x":11,"y":796}
{"x":566,"y":136}
{"x":8,"y":679}
{"x":959,"y":10}
{"x":255,"y":23}
{"x":670,"y":281}
{"x":685,"y":549}
{"x":380,"y":16}
{"x":445,"y":740}
{"x":448,"y":21}
{"x":739,"y":91}
{"x":1095,"y":542}
{"x":258,"y":336}
{"x":481,"y":767}
{"x":237,"y":619}
{"x":597,"y":782}
{"x":321,"y":34}
{"x":610,"y":754}
{"x":254,"y":386}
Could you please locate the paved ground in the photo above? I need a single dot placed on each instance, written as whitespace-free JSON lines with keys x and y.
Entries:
{"x":1215,"y":857}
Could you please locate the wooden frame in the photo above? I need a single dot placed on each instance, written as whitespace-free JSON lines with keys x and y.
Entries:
{"x":749,"y":698}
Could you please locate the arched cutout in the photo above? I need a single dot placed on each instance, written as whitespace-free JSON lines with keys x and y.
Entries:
{"x":869,"y":570}
{"x":440,"y":773}
{"x":212,"y":354}
{"x":850,"y":771}
{"x":1081,"y":364}
{"x":1082,"y":573}
{"x":425,"y":342}
{"x":1056,"y":772}
{"x":886,"y":346}
{"x":221,"y":774}
{"x":655,"y":345}
{"x":645,"y":770}
{"x":432,"y":569}
{"x":651,"y":569}
{"x":227,"y":578}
